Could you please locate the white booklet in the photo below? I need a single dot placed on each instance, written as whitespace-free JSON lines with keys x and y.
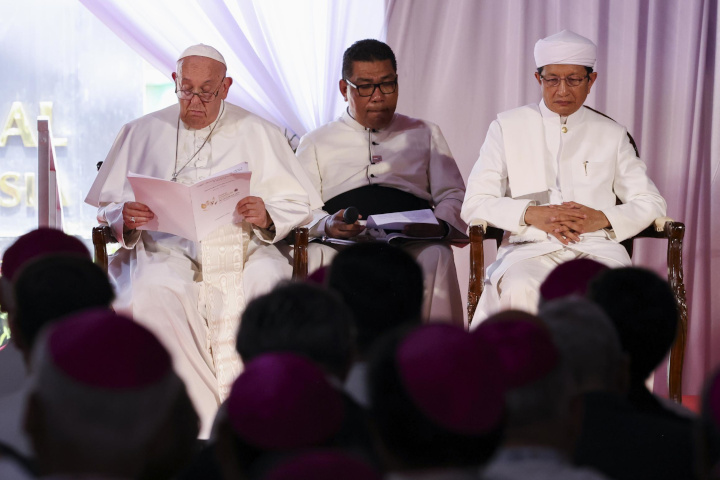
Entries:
{"x":396,"y":221}
{"x":192,"y":211}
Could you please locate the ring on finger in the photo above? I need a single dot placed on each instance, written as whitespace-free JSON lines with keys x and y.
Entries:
{"x":132,"y":219}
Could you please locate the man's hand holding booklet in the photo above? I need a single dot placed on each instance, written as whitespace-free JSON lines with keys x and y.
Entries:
{"x":192,"y":211}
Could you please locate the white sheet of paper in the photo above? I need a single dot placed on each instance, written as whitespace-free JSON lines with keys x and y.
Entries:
{"x":192,"y":211}
{"x":397,"y":220}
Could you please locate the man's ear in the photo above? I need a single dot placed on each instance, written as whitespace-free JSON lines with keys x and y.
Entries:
{"x":174,"y":77}
{"x":343,"y":88}
{"x":537,"y":77}
{"x":591,"y":80}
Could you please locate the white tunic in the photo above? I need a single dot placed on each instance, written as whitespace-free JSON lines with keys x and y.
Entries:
{"x":530,"y":157}
{"x":191,"y":294}
{"x":410,"y":155}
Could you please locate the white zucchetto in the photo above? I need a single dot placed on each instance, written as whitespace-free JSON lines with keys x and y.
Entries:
{"x":201,"y":50}
{"x":565,"y":48}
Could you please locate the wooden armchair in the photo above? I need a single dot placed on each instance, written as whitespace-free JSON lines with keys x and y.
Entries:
{"x":664,"y":228}
{"x":102,"y":235}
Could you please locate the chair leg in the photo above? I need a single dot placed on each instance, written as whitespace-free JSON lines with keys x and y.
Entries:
{"x":477,"y":270}
{"x":300,"y":255}
{"x":675,"y":233}
{"x":100,"y":240}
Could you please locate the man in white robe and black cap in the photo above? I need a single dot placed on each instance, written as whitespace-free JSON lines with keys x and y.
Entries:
{"x":550,"y":175}
{"x":191,"y":294}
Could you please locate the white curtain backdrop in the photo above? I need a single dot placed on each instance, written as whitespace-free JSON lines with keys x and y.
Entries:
{"x":461,"y":62}
{"x":285,"y":56}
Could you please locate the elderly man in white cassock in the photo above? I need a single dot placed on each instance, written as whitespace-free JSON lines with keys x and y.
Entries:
{"x":191,"y":294}
{"x":550,"y":175}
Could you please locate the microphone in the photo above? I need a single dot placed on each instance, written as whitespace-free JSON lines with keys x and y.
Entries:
{"x":350,"y":215}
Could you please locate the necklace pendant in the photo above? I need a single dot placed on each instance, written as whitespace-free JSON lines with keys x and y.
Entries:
{"x":174,"y":178}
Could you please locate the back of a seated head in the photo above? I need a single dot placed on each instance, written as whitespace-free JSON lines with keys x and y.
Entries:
{"x":54,"y":286}
{"x":383,"y":286}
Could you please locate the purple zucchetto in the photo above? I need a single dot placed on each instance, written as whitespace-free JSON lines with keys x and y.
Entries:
{"x":283,"y":401}
{"x":323,"y":465}
{"x":102,"y":349}
{"x":40,"y":242}
{"x":453,"y":378}
{"x":570,"y":278}
{"x":524,"y":344}
{"x":103,"y":379}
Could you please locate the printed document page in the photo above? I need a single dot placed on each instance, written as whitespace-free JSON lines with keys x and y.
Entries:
{"x":396,"y":221}
{"x":192,"y":211}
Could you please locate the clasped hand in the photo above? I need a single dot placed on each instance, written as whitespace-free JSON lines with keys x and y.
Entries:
{"x":566,"y":221}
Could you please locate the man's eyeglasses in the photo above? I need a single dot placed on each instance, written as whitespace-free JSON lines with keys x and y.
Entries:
{"x":570,"y":81}
{"x":204,"y":97}
{"x":369,"y":88}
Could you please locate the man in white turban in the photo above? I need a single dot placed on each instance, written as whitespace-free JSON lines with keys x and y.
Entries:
{"x":191,"y":294}
{"x":550,"y":175}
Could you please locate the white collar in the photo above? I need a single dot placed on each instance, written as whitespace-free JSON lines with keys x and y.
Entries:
{"x":572,"y":119}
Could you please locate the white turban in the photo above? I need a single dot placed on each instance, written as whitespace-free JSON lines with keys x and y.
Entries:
{"x":565,"y":48}
{"x":201,"y":50}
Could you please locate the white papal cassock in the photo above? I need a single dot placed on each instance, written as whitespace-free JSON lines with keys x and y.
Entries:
{"x":192,"y":294}
{"x":531,"y":157}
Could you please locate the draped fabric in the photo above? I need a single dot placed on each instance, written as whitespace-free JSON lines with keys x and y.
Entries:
{"x":462,"y":62}
{"x":285,"y":56}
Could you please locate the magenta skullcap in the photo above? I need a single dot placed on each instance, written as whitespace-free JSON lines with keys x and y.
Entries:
{"x":102,"y":349}
{"x":323,"y":465}
{"x":283,"y":401}
{"x":570,"y":278}
{"x":524,"y":344}
{"x":453,"y":378}
{"x":105,"y":381}
{"x":43,"y":241}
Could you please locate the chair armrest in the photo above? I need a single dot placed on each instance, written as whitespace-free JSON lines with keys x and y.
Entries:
{"x":660,"y":222}
{"x":479,"y":222}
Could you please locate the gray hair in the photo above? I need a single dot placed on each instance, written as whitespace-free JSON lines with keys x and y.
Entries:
{"x":587,"y":340}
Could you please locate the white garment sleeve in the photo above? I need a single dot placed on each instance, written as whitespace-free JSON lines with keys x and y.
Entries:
{"x":641,"y":200}
{"x":487,"y":187}
{"x":446,"y":184}
{"x":111,"y":214}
